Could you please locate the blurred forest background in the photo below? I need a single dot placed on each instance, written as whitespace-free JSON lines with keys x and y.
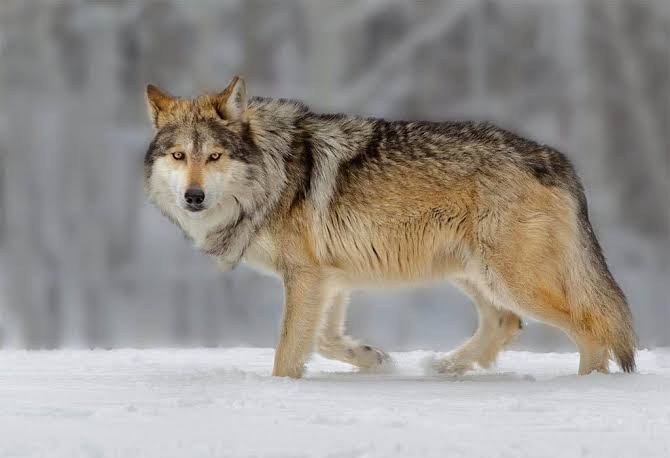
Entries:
{"x":84,"y":261}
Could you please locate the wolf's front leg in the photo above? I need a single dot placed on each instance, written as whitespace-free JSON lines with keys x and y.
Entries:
{"x":303,"y":304}
{"x":335,"y":344}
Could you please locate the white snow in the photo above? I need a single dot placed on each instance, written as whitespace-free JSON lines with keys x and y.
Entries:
{"x":223,"y":402}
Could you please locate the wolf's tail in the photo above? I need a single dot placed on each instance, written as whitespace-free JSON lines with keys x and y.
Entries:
{"x":602,"y":309}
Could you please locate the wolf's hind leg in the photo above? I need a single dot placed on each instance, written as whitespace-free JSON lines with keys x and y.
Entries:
{"x":334,"y":344}
{"x":593,"y":355}
{"x":496,"y":329}
{"x":545,"y":300}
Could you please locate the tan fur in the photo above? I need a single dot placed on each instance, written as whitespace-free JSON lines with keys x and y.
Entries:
{"x":511,"y":242}
{"x":417,"y":249}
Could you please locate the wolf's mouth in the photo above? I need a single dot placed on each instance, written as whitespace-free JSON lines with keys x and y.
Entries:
{"x":194,"y":211}
{"x":195,"y":208}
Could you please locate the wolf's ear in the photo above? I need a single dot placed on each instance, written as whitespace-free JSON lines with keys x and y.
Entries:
{"x":159,"y":102}
{"x":231,"y":104}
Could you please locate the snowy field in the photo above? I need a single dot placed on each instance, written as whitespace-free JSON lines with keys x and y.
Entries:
{"x":223,"y":403}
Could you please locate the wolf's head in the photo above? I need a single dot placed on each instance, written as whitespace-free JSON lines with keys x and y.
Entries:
{"x":201,"y":158}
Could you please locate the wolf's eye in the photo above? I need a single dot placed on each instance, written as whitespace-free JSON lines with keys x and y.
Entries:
{"x":214,"y":156}
{"x":178,"y":156}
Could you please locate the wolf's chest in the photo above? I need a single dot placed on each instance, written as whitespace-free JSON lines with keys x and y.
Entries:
{"x":197,"y":229}
{"x":262,"y":253}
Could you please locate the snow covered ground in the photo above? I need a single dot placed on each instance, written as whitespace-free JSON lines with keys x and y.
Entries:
{"x":223,"y":402}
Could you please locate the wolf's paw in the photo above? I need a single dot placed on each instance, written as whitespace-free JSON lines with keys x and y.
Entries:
{"x":450,"y":366}
{"x":367,"y":357}
{"x":288,"y":371}
{"x":348,"y":350}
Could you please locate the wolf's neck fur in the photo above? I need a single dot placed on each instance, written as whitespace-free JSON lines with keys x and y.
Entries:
{"x":303,"y":153}
{"x":274,"y":123}
{"x":310,"y":146}
{"x":306,"y":148}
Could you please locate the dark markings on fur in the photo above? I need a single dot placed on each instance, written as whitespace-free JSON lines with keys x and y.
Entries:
{"x":220,"y":110}
{"x":220,"y":239}
{"x":163,"y":139}
{"x":238,"y":148}
{"x":301,"y":108}
{"x":305,"y":171}
{"x":385,"y":143}
{"x":372,"y":151}
{"x":374,"y":147}
{"x":245,"y":134}
{"x":404,"y":143}
{"x":500,"y":322}
{"x":374,"y":250}
{"x":367,"y":348}
{"x":328,"y":117}
{"x":197,"y":141}
{"x":550,"y":167}
{"x":459,"y":223}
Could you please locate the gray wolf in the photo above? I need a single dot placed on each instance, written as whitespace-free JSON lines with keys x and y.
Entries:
{"x":333,"y":202}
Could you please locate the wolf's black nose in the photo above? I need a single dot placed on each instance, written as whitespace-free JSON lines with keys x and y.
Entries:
{"x":194,"y":196}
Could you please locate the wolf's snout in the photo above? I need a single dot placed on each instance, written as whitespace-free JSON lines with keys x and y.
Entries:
{"x":194,"y":198}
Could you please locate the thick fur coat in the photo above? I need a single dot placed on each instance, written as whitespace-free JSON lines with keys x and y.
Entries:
{"x":331,"y":203}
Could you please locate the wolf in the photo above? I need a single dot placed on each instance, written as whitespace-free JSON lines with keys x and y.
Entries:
{"x":333,"y":202}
